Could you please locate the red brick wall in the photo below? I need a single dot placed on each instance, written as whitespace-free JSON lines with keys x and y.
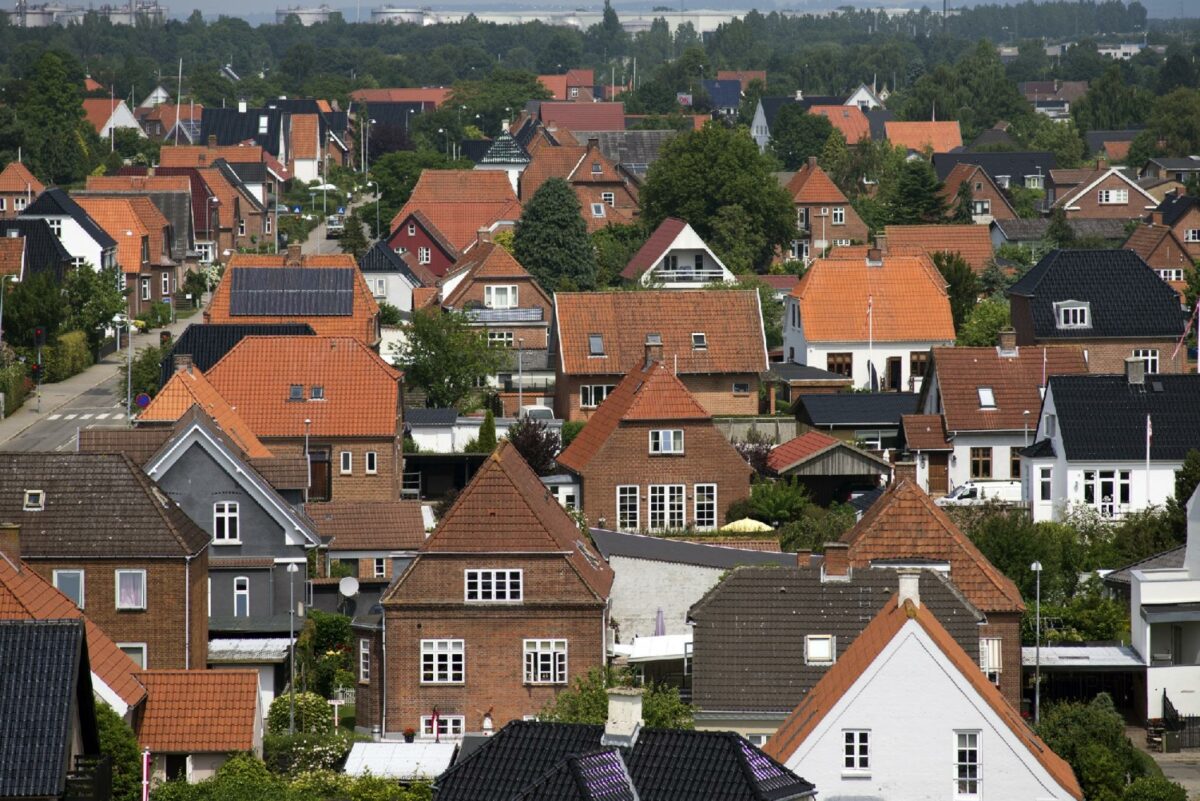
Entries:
{"x":1108,"y":356}
{"x":988,"y":191}
{"x":713,"y":392}
{"x":1189,"y":220}
{"x":367,"y":694}
{"x":400,"y":238}
{"x":1007,"y":626}
{"x":358,"y":485}
{"x":1088,"y":206}
{"x":855,"y":229}
{"x":535,"y":336}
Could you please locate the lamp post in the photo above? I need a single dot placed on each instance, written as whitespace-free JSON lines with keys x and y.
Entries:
{"x":367,"y":147}
{"x":292,"y":571}
{"x":1026,"y":415}
{"x":378,"y":233}
{"x":1036,"y":567}
{"x":120,"y":321}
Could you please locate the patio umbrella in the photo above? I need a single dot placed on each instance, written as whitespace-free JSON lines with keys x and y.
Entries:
{"x":746,"y":525}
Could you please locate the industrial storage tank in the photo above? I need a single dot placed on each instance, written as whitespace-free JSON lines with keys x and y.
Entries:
{"x":398,"y":16}
{"x":307,"y":16}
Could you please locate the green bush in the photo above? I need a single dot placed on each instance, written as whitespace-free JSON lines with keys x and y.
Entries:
{"x":289,"y":754}
{"x":1154,"y":788}
{"x":120,"y":745}
{"x":313,"y":714}
{"x":570,"y":430}
{"x":15,"y":384}
{"x":157,"y":316}
{"x":68,"y":356}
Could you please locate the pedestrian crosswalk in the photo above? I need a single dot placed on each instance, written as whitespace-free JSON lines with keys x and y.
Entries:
{"x":87,"y":416}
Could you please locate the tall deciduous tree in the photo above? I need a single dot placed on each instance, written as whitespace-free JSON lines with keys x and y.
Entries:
{"x":444,"y":355}
{"x":586,"y":701}
{"x":53,"y":107}
{"x":92,"y":299}
{"x":796,"y":135}
{"x":551,"y":240}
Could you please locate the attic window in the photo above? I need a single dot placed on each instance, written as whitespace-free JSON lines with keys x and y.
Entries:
{"x":262,"y":123}
{"x":595,"y":345}
{"x":317,"y":392}
{"x":987,"y":398}
{"x":699,"y":341}
{"x":818,"y":649}
{"x":296,"y":392}
{"x":1072,"y":314}
{"x":597,"y":209}
{"x":596,"y":168}
{"x":35,"y":500}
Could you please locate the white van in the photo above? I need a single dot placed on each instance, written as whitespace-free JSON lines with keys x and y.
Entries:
{"x":971,"y":493}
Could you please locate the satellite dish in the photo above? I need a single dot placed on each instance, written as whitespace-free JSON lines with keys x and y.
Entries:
{"x":348,"y":586}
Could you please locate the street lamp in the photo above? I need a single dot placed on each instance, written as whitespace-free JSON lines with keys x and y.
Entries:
{"x":378,"y":233}
{"x":121,"y":320}
{"x":367,"y":148}
{"x":292,"y":571}
{"x":1036,"y":567}
{"x":1026,"y":414}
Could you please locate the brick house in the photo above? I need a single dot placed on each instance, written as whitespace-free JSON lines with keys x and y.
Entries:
{"x":104,"y":534}
{"x":503,"y":607}
{"x":606,"y":194}
{"x":18,"y":188}
{"x":1164,"y":250}
{"x":118,"y":217}
{"x":972,"y":242}
{"x":1103,"y":193}
{"x":824,"y":217}
{"x":650,"y":446}
{"x":1108,"y":301}
{"x":1182,"y":214}
{"x":713,"y":340}
{"x":242,"y":219}
{"x":988,"y":201}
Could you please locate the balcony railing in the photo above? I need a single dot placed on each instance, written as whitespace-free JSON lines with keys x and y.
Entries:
{"x":690,"y":275}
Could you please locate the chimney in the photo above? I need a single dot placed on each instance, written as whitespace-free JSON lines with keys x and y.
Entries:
{"x":1135,"y":371}
{"x":212,"y":140}
{"x":799,"y":94}
{"x":150,"y":171}
{"x":1156,"y":218}
{"x":1008,"y":341}
{"x":1101,"y":163}
{"x":183,"y":361}
{"x":837,"y":562}
{"x":812,"y":161}
{"x":910,"y":589}
{"x":624,"y":720}
{"x":504,"y":125}
{"x":484,"y":234}
{"x":804,"y":558}
{"x":594,"y":143}
{"x":10,"y":541}
{"x":293,"y":258}
{"x":242,"y":106}
{"x":654,"y":349}
{"x":874,"y":257}
{"x":902,"y":471}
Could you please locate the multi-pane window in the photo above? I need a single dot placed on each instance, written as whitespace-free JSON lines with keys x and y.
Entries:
{"x":70,"y":584}
{"x":666,"y":507}
{"x":989,"y":658}
{"x":412,"y":229}
{"x":364,"y":660}
{"x":1112,"y":197}
{"x":1108,"y":491}
{"x":379,"y":567}
{"x":241,"y":597}
{"x":131,"y":589}
{"x":839,"y":215}
{"x":1045,"y":483}
{"x":545,"y":661}
{"x":981,"y":207}
{"x":135,"y":651}
{"x":592,"y":395}
{"x":609,"y":197}
{"x":967,"y":776}
{"x":443,"y":661}
{"x":818,"y":649}
{"x":241,"y":227}
{"x":424,"y":255}
{"x":372,"y":460}
{"x":856,"y":749}
{"x":166,"y":284}
{"x":840,"y":363}
{"x":981,"y":462}
{"x":1014,"y":464}
{"x":145,"y":289}
{"x":1149,"y":356}
{"x":918,"y":363}
{"x":500,"y":297}
{"x":500,"y":339}
{"x":666,"y":440}
{"x":1171,"y":274}
{"x":1073,"y":316}
{"x":225,"y":521}
{"x":628,"y":507}
{"x":493,"y":586}
{"x":447,"y":726}
{"x":704,"y":498}
{"x":346,"y":464}
{"x":1192,"y":235}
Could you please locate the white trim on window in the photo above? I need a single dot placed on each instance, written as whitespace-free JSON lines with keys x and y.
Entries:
{"x":82,"y":588}
{"x":667,"y":507}
{"x":379,"y":567}
{"x":241,"y":596}
{"x":500,"y":296}
{"x":364,"y":660}
{"x":629,"y":503}
{"x":856,"y":752}
{"x":448,"y":726}
{"x":443,"y":661}
{"x":135,"y":651}
{"x":968,"y":764}
{"x":704,"y":506}
{"x":592,"y":395}
{"x":545,"y":661}
{"x":135,"y":595}
{"x":1112,"y":197}
{"x":666,"y":440}
{"x":345,"y":463}
{"x":820,"y":649}
{"x":34,"y":500}
{"x":1149,"y":356}
{"x":226,"y":525}
{"x":493,"y":586}
{"x":990,"y":658}
{"x":1072,"y":314}
{"x":371,"y":460}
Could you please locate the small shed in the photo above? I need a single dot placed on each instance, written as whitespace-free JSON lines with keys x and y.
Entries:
{"x":830,"y":468}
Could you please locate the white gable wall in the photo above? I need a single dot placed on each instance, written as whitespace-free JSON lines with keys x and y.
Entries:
{"x":642,"y":587}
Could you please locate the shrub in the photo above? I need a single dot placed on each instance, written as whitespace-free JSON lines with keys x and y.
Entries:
{"x":15,"y":385}
{"x":157,"y":316}
{"x":313,"y":714}
{"x":389,"y":314}
{"x":68,"y":356}
{"x":487,"y":433}
{"x":570,"y":430}
{"x":288,"y":754}
{"x":1155,"y":788}
{"x":120,"y":745}
{"x":537,"y":443}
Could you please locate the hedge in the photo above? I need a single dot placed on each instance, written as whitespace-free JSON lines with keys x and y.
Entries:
{"x":313,"y":714}
{"x":15,"y":385}
{"x":68,"y":356}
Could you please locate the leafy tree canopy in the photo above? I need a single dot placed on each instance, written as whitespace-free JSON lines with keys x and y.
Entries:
{"x":445,"y":355}
{"x":551,"y":239}
{"x":586,"y":701}
{"x":796,"y":135}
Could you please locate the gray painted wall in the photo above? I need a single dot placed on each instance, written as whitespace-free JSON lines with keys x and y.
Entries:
{"x":642,"y":587}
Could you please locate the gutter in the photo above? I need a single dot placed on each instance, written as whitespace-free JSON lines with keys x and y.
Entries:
{"x":384,"y":665}
{"x":187,"y":612}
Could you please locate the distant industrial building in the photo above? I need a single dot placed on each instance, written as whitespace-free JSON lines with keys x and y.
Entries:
{"x":137,"y":12}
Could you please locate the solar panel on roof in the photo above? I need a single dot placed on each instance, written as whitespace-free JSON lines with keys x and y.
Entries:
{"x":300,"y":291}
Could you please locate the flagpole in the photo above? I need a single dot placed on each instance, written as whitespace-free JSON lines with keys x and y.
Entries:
{"x":870,"y":342}
{"x":1149,"y":435}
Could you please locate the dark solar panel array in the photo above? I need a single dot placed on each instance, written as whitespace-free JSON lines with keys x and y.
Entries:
{"x":288,"y":291}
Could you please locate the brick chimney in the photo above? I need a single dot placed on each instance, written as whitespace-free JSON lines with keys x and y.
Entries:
{"x":624,"y":720}
{"x":1135,"y":371}
{"x":837,"y":562}
{"x":484,"y":234}
{"x":909,"y":587}
{"x":212,"y":140}
{"x":10,"y":541}
{"x":593,"y":143}
{"x":293,"y":258}
{"x":1101,"y":163}
{"x":183,"y":361}
{"x":1007,"y":340}
{"x":654,"y":349}
{"x":874,"y":257}
{"x":812,"y":161}
{"x":804,"y":558}
{"x":904,"y":470}
{"x":1156,"y":218}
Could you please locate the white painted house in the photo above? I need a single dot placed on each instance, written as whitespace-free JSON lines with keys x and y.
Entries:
{"x":82,"y":237}
{"x":106,"y":115}
{"x":392,"y":277}
{"x":873,"y":319}
{"x":905,"y":713}
{"x":1096,"y":448}
{"x":675,"y":257}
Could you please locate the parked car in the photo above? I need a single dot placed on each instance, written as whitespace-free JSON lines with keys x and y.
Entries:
{"x":335,"y":226}
{"x":537,"y":412}
{"x":971,"y":493}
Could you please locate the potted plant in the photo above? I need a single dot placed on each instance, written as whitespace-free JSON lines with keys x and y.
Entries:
{"x":410,"y":734}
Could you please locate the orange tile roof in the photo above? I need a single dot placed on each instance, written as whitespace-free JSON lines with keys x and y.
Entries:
{"x":1016,"y":382}
{"x":424,"y":296}
{"x":556,"y":85}
{"x":203,"y":156}
{"x":200,"y":711}
{"x":906,"y":524}
{"x":940,"y":137}
{"x":24,"y":595}
{"x":119,"y":219}
{"x":1150,"y":238}
{"x":99,"y":110}
{"x":305,"y":133}
{"x":743,"y":76}
{"x":889,"y":623}
{"x":925,"y":432}
{"x":12,"y":256}
{"x":369,"y":525}
{"x":506,"y":509}
{"x":1118,"y":151}
{"x":799,"y":448}
{"x":436,"y":95}
{"x":970,"y":172}
{"x":154,"y":223}
{"x":362,"y":391}
{"x":16,"y":177}
{"x":139,"y":183}
{"x":462,"y":186}
{"x":460,"y":202}
{"x":459,"y":223}
{"x":730,"y":319}
{"x":491,"y":261}
{"x":811,"y":184}
{"x":165,"y":113}
{"x":850,"y":120}
{"x":647,"y":393}
{"x":907,"y":304}
{"x":90,"y":84}
{"x":188,"y":388}
{"x":972,"y":242}
{"x":547,"y":163}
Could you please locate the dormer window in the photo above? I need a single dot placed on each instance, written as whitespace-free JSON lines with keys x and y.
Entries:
{"x":317,"y":392}
{"x":296,"y":392}
{"x":1073,"y":314}
{"x":262,"y":123}
{"x":595,"y":345}
{"x":1033,"y":182}
{"x":35,"y":500}
{"x":699,"y":341}
{"x":987,"y":398}
{"x":1002,"y":181}
{"x":596,"y":168}
{"x":598,"y":210}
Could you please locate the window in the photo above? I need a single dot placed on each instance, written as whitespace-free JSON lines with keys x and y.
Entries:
{"x":145,"y":289}
{"x":666,"y":440}
{"x":296,"y":392}
{"x":819,"y":649}
{"x":267,"y":224}
{"x":841,"y":243}
{"x":1149,"y":356}
{"x":379,"y":287}
{"x":412,"y":229}
{"x":1107,"y":491}
{"x":1112,"y":197}
{"x":1045,"y":483}
{"x":840,"y":363}
{"x":741,"y":388}
{"x":545,"y":661}
{"x":225,"y":522}
{"x":704,"y":502}
{"x":1050,"y":424}
{"x":1033,"y":181}
{"x":3,"y":204}
{"x":699,"y":341}
{"x":757,"y":740}
{"x":839,"y":216}
{"x":857,"y":750}
{"x":981,"y":462}
{"x":241,"y":226}
{"x":131,"y":589}
{"x":666,"y":507}
{"x":35,"y":501}
{"x":447,"y":726}
{"x":597,"y":210}
{"x":19,"y":204}
{"x":802,"y":218}
{"x":500,"y":297}
{"x":262,"y":123}
{"x":346,"y":462}
{"x":372,"y":460}
{"x":987,"y":398}
{"x":592,"y":395}
{"x":124,"y":282}
{"x":316,"y":392}
{"x":596,"y":168}
{"x":55,"y":227}
{"x":981,"y":207}
{"x":1191,"y":235}
{"x":495,"y":586}
{"x":966,"y":764}
{"x":1002,"y":181}
{"x":500,"y":339}
{"x":241,"y":597}
{"x":364,"y":660}
{"x":989,"y":658}
{"x":1014,"y":464}
{"x":379,"y":567}
{"x":424,"y":256}
{"x":135,"y":651}
{"x":918,"y":363}
{"x":1073,"y":315}
{"x":1173,"y":274}
{"x":628,"y":507}
{"x":609,"y":197}
{"x":70,"y":584}
{"x":595,"y":345}
{"x":442,"y":661}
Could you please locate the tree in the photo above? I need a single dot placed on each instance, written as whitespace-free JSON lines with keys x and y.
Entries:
{"x":796,"y":135}
{"x":35,"y":302}
{"x":445,"y":355}
{"x":816,"y":527}
{"x":53,"y":107}
{"x":916,"y":195}
{"x":1187,"y":478}
{"x":1111,"y":103}
{"x":1091,"y":738}
{"x":147,"y":371}
{"x":755,"y":449}
{"x":313,"y":714}
{"x":964,"y":205}
{"x":353,"y":240}
{"x":700,"y":173}
{"x":551,"y":239}
{"x":537,"y":443}
{"x":982,"y":326}
{"x":962,"y":285}
{"x":586,"y":701}
{"x":92,"y":300}
{"x":771,"y":502}
{"x":614,"y":246}
{"x":1059,"y":233}
{"x":120,"y":745}
{"x":486,"y":442}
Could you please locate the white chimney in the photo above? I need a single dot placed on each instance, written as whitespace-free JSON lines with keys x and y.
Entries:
{"x":624,"y":717}
{"x":241,"y":107}
{"x":910,"y":589}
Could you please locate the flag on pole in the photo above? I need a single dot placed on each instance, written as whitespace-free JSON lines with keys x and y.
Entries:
{"x":1187,"y":329}
{"x":433,"y":721}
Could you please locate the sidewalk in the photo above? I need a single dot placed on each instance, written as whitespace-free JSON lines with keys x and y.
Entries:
{"x":55,"y":396}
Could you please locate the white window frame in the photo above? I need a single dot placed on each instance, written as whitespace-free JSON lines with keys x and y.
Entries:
{"x":981,"y":207}
{"x":1149,"y":356}
{"x":1191,"y":235}
{"x":264,"y":123}
{"x":371,"y":461}
{"x":138,"y":646}
{"x":494,"y":586}
{"x":592,"y":395}
{"x":704,"y":506}
{"x":145,"y":288}
{"x":364,"y":660}
{"x":826,"y":643}
{"x":55,"y":227}
{"x":438,"y":661}
{"x":224,"y":513}
{"x":241,"y":589}
{"x":241,"y":226}
{"x":741,"y":388}
{"x":379,"y":567}
{"x":34,"y":501}
{"x":82,"y":585}
{"x":166,"y":284}
{"x":629,"y":502}
{"x":424,"y":255}
{"x":117,"y":586}
{"x":412,"y":229}
{"x":987,"y":398}
{"x":1045,"y":484}
{"x":1034,"y":181}
{"x":267,"y":224}
{"x":451,"y":726}
{"x":19,"y":204}
{"x":991,"y":658}
{"x":1073,"y":314}
{"x":839,"y":215}
{"x":380,"y":290}
{"x":500,"y":339}
{"x":1171,"y":274}
{"x":500,"y":296}
{"x":609,"y":197}
{"x":1112,"y":197}
{"x":699,"y":340}
{"x":544,"y":658}
{"x":345,"y":463}
{"x":666,"y":441}
{"x":968,"y":740}
{"x":856,"y":752}
{"x":667,"y":507}
{"x":598,"y":210}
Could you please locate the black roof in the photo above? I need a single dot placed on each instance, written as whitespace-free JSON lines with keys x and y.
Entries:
{"x":431,"y":417}
{"x":235,"y":180}
{"x":474,"y":149}
{"x":664,"y":764}
{"x":723,"y":94}
{"x":1042,"y":449}
{"x":381,"y":258}
{"x":288,"y":291}
{"x":994,"y":164}
{"x":335,"y":121}
{"x":790,"y":371}
{"x":877,"y":119}
{"x":660,"y":549}
{"x":1103,"y":417}
{"x":231,"y":126}
{"x":43,"y":250}
{"x":992,"y":137}
{"x":504,"y":149}
{"x":1096,"y":139}
{"x":56,"y":203}
{"x":1126,"y":297}
{"x":1174,"y":206}
{"x":207,"y":343}
{"x":855,"y":408}
{"x":390,"y":114}
{"x":44,"y":680}
{"x":772,"y":105}
{"x":865,"y":501}
{"x":598,"y":776}
{"x":634,"y":150}
{"x":250,"y":172}
{"x":1021,"y":230}
{"x":1165,"y":559}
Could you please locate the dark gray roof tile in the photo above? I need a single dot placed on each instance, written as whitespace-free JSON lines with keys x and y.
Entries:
{"x":855,"y":408}
{"x":660,"y":549}
{"x":207,"y":343}
{"x":292,"y":291}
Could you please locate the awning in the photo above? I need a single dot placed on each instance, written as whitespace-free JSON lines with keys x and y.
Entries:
{"x":1171,"y":613}
{"x":1085,"y":658}
{"x":401,"y":761}
{"x":663,"y":648}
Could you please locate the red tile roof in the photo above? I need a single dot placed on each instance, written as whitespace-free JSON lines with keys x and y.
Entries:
{"x":305,"y":133}
{"x":653,"y":249}
{"x":730,"y":319}
{"x":120,"y":221}
{"x":436,"y":95}
{"x":906,"y":524}
{"x":549,"y":162}
{"x":970,"y":172}
{"x":369,"y":525}
{"x":972,"y":242}
{"x":890,"y":623}
{"x":800,"y":448}
{"x":850,"y":120}
{"x":491,"y":261}
{"x":204,"y":156}
{"x":647,"y":393}
{"x":139,"y":183}
{"x":608,"y":116}
{"x":780,"y":283}
{"x":200,"y":711}
{"x":907,"y":304}
{"x":925,"y":432}
{"x":556,"y":85}
{"x":580,"y":77}
{"x":188,"y":388}
{"x":940,"y":137}
{"x":1016,"y":382}
{"x":812,"y":185}
{"x":90,"y":84}
{"x":362,"y":391}
{"x":460,"y":202}
{"x":1149,"y":239}
{"x":743,"y":76}
{"x":99,"y":110}
{"x":157,"y":226}
{"x":16,"y":177}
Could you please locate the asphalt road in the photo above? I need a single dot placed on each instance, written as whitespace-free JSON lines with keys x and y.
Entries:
{"x":100,"y":407}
